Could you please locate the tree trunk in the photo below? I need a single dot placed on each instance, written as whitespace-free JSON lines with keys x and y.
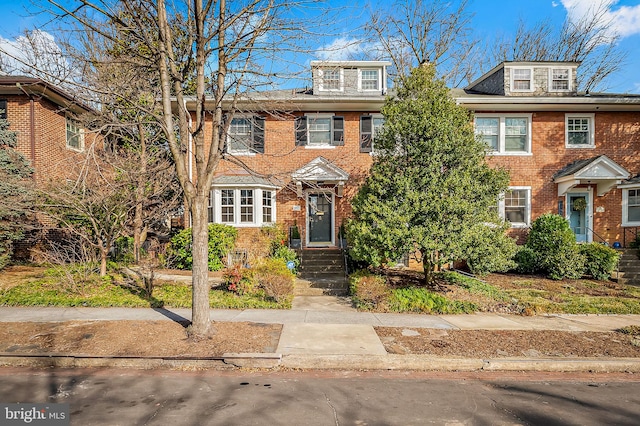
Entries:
{"x":200,"y":269}
{"x":142,"y":176}
{"x":428,"y":271}
{"x":103,"y":262}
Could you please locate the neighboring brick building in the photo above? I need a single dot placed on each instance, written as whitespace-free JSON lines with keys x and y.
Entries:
{"x":311,"y":150}
{"x":569,"y":153}
{"x":44,"y":117}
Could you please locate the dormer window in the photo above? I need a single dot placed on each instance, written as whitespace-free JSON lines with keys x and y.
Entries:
{"x":560,"y":79}
{"x":331,"y":79}
{"x":369,"y":79}
{"x":521,"y":80}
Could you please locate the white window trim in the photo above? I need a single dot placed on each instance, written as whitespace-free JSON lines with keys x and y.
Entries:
{"x":80,"y":148}
{"x":512,"y":79}
{"x":625,"y":206}
{"x":527,"y":213}
{"x":570,"y":82}
{"x":324,"y":145}
{"x":501,"y":133}
{"x":591,"y":117}
{"x":245,"y":152}
{"x":321,"y":80}
{"x":378,"y":88}
{"x":215,"y":202}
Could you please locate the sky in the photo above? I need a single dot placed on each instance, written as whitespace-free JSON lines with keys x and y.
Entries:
{"x":490,"y":18}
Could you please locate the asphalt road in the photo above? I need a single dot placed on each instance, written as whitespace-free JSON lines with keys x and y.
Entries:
{"x":129,"y":397}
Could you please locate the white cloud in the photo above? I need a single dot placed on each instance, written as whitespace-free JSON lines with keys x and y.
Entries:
{"x":341,"y":49}
{"x":554,"y":4}
{"x":624,"y":20}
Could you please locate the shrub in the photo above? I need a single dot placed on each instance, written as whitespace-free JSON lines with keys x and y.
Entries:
{"x":239,"y":279}
{"x":417,"y":299}
{"x":286,"y":254}
{"x":277,"y":281}
{"x":555,"y":247}
{"x":368,"y":291}
{"x":222,"y":238}
{"x":526,"y":261}
{"x":492,"y":251}
{"x":600,"y":260}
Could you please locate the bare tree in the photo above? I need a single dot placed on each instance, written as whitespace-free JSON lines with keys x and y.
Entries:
{"x":589,"y":39}
{"x":203,"y":52}
{"x":413,"y":32}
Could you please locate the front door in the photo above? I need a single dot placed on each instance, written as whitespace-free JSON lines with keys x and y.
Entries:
{"x":579,"y":215}
{"x":320,"y":218}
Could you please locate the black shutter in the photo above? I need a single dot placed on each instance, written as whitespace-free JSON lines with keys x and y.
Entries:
{"x":258,"y":135}
{"x":366,"y":133}
{"x":301,"y":131}
{"x":338,"y":131}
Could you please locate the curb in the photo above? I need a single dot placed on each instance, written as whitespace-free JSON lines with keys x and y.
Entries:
{"x":326,"y":362}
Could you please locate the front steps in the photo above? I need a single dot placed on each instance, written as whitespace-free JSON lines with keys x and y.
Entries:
{"x":322,"y":272}
{"x":629,"y":267}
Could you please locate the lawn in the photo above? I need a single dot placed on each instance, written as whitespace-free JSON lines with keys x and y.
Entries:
{"x":23,"y":286}
{"x":503,"y":293}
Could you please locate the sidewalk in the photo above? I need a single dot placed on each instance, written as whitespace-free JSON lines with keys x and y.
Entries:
{"x":324,"y":332}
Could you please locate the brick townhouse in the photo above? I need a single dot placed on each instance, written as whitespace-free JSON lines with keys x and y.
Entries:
{"x":568,"y":153}
{"x":49,"y":135}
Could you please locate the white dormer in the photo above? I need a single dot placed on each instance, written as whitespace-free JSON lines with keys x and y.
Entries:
{"x":352,"y":78}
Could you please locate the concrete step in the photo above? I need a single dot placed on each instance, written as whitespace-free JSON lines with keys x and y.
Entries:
{"x":322,"y":268}
{"x":319,"y":286}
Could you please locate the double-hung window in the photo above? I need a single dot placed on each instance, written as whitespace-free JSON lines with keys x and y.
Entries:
{"x":369,"y":79}
{"x":246,"y":135}
{"x":331,"y":79}
{"x":243,"y":206}
{"x":579,"y":131}
{"x":560,"y":79}
{"x":631,"y":206}
{"x":508,"y":134}
{"x":319,"y":130}
{"x":515,"y":206}
{"x":369,"y":126}
{"x":521,"y":80}
{"x":75,"y":135}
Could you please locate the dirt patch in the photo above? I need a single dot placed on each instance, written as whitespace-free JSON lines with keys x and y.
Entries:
{"x":16,"y":275}
{"x":135,"y":338}
{"x":508,"y":343}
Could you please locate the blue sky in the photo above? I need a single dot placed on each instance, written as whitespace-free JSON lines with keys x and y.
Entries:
{"x":491,"y":18}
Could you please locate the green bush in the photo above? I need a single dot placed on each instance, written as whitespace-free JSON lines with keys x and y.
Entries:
{"x":222,"y":238}
{"x":600,"y":260}
{"x":555,"y":247}
{"x":277,"y":281}
{"x":368,"y":291}
{"x":526,"y":261}
{"x":286,"y":254}
{"x":491,"y":251}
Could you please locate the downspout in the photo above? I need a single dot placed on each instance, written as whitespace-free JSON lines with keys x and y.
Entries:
{"x":32,"y":128}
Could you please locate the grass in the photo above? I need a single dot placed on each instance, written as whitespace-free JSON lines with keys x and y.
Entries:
{"x":50,"y":290}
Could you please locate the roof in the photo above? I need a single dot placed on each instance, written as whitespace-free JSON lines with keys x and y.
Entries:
{"x":242,"y":180}
{"x":359,"y":64}
{"x":17,"y":85}
{"x":574,"y":167}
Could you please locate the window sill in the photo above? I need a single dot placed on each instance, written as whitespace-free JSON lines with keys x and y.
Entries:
{"x":630,"y":224}
{"x":507,"y":154}
{"x":71,"y":148}
{"x":519,"y":225}
{"x":242,"y":153}
{"x":320,"y":146}
{"x":579,"y":146}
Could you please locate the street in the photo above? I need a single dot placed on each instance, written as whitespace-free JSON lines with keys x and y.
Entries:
{"x":130,"y":397}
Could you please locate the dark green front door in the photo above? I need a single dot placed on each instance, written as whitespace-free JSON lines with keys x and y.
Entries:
{"x":320,"y":213}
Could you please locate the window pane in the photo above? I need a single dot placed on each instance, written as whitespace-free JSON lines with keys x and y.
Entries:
{"x":369,"y":80}
{"x":515,"y":205}
{"x":515,"y":134}
{"x":240,"y":134}
{"x":521,"y":79}
{"x":227,"y":205}
{"x":320,"y":131}
{"x":73,"y":134}
{"x":246,"y":205}
{"x":488,"y":128}
{"x":578,"y":131}
{"x":560,"y":79}
{"x":331,"y":79}
{"x":634,"y":214}
{"x":266,"y":207}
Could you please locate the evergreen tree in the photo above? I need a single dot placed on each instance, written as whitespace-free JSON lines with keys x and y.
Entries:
{"x":430,"y":192}
{"x":16,"y":197}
